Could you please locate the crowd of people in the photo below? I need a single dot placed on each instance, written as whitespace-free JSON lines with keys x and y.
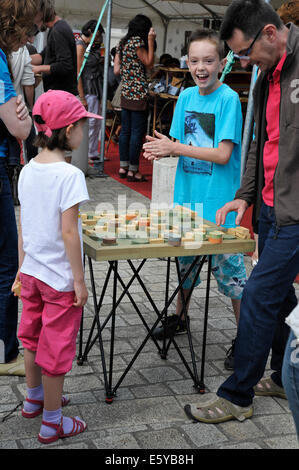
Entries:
{"x":206,"y":135}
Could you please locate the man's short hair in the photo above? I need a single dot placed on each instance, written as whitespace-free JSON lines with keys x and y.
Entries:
{"x":249,"y":16}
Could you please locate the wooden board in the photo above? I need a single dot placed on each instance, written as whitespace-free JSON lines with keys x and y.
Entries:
{"x":126,"y":250}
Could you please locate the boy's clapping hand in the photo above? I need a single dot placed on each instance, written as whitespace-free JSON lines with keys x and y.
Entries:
{"x":157,"y":147}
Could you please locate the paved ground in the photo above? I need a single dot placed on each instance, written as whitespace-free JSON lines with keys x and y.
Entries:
{"x":148,"y":410}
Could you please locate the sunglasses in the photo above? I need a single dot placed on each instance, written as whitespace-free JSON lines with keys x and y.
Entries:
{"x":246,"y":54}
{"x":33,"y":31}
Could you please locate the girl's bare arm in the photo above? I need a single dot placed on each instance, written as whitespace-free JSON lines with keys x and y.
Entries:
{"x":72,"y":245}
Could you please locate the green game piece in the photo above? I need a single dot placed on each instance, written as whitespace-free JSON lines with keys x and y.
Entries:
{"x":140,"y":241}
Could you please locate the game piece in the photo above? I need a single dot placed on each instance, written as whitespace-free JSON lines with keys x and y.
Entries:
{"x":174,"y":240}
{"x":140,"y":241}
{"x":156,"y":240}
{"x":242,"y":232}
{"x":215,"y":237}
{"x":109,"y":240}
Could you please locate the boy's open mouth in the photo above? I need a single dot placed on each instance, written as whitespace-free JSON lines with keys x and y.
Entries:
{"x":202,"y":76}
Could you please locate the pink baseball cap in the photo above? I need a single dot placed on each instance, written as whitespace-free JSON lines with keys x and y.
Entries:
{"x":59,"y":109}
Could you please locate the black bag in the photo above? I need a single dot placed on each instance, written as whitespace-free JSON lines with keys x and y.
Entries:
{"x":12,"y":161}
{"x":93,"y":73}
{"x":13,"y":172}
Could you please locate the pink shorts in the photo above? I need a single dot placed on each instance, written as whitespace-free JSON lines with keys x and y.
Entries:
{"x":49,"y":325}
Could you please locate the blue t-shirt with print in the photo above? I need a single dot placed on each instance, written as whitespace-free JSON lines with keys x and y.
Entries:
{"x":6,"y":93}
{"x":205,"y":121}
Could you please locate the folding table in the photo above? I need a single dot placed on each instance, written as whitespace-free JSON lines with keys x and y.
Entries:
{"x":124,"y":250}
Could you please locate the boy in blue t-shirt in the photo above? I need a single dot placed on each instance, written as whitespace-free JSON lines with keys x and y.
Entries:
{"x":207,"y":125}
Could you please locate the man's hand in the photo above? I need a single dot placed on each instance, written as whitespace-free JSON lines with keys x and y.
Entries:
{"x":237,"y":205}
{"x":38,"y":69}
{"x":22,"y":111}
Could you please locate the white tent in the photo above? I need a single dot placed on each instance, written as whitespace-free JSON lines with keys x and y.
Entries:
{"x":170,"y":18}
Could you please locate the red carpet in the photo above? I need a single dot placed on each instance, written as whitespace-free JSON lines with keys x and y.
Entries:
{"x":111,"y":168}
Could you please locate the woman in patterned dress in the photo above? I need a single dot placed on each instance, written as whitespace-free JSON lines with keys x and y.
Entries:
{"x":135,"y":53}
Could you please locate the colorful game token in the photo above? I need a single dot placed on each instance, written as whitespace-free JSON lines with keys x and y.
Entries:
{"x":215,"y":237}
{"x":140,"y":241}
{"x":174,"y":240}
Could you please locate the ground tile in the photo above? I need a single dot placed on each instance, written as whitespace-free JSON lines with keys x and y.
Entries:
{"x":203,"y":435}
{"x":167,"y":438}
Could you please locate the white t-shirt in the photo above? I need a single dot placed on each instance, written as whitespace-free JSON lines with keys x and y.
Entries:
{"x":21,"y":67}
{"x":46,"y":190}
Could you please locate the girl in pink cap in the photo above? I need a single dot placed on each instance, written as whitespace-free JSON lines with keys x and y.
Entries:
{"x":53,"y":290}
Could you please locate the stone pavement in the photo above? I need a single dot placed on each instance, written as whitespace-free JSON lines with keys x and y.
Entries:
{"x":148,"y":412}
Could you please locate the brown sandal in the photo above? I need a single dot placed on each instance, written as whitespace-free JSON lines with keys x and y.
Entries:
{"x":267,"y":388}
{"x":218,"y":410}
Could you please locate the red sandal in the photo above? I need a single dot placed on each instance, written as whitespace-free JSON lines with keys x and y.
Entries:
{"x":32,"y":414}
{"x":78,"y":427}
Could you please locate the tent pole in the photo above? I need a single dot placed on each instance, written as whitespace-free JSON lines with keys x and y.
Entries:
{"x":100,"y":166}
{"x":165,"y":21}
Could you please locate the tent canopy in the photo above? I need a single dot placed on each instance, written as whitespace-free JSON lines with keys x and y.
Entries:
{"x":173,"y":9}
{"x":171,"y":18}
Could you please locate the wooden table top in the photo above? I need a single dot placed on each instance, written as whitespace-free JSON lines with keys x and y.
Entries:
{"x":125,"y":249}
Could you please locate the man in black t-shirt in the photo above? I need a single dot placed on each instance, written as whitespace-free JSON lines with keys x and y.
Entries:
{"x":58,"y":61}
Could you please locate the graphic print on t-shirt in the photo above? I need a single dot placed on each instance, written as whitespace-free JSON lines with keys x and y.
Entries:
{"x":199,"y":132}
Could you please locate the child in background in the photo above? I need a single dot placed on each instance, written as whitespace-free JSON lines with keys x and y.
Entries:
{"x":53,"y":290}
{"x":207,"y":126}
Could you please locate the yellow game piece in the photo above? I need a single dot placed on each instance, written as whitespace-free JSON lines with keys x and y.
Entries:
{"x":159,"y":226}
{"x":189,"y":235}
{"x":90,"y":232}
{"x":156,"y":240}
{"x":90,"y":222}
{"x":242,"y":232}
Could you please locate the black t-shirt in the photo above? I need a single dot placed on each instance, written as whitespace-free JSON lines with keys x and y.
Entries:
{"x":31,"y":49}
{"x":61,"y":54}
